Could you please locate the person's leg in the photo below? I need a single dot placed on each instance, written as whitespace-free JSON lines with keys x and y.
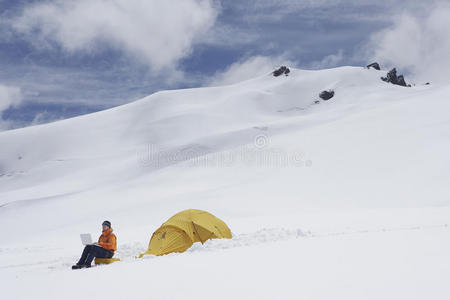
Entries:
{"x":85,"y":254}
{"x":97,"y":252}
{"x":105,"y":254}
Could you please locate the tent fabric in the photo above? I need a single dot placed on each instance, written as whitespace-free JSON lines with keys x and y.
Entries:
{"x":185,"y":228}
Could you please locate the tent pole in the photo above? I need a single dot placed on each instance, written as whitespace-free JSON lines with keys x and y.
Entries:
{"x":197,"y":232}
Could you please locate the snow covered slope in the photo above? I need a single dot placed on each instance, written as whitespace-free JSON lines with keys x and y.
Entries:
{"x":356,"y":188}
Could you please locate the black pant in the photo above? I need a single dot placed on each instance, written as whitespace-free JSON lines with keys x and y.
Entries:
{"x":91,"y":251}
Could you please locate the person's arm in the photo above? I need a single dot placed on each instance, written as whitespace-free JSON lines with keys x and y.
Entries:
{"x":109,"y":245}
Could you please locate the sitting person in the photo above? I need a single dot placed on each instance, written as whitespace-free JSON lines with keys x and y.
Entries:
{"x":107,"y":244}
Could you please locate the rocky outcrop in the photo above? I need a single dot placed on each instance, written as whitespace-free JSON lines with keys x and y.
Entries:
{"x":326,"y":95}
{"x":374,"y":65}
{"x":392,"y":77}
{"x":282,"y":70}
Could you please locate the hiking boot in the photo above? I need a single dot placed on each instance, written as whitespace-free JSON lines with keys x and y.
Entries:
{"x":76,"y":267}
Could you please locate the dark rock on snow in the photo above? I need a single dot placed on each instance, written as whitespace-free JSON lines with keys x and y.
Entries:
{"x":282,"y":70}
{"x":401,"y":80}
{"x":374,"y":65}
{"x":326,"y":95}
{"x":394,"y":79}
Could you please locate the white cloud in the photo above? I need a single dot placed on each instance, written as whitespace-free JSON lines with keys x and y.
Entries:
{"x":9,"y":96}
{"x":158,"y":33}
{"x":227,"y":35}
{"x":248,"y":69}
{"x":276,"y":10}
{"x":329,"y":61}
{"x":419,"y":45}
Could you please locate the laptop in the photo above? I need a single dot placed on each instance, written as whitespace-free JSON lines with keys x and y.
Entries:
{"x":86,"y":239}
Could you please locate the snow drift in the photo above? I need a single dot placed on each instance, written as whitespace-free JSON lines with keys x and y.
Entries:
{"x":369,"y":164}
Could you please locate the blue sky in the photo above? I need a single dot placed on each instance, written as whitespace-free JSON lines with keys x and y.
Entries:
{"x":59,"y":59}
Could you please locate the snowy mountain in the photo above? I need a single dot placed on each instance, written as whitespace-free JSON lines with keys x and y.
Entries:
{"x":344,"y":198}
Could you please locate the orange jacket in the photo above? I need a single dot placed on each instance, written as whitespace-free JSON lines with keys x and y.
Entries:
{"x":108,"y":240}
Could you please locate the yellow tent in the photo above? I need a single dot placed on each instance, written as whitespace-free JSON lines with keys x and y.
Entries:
{"x":185,"y":228}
